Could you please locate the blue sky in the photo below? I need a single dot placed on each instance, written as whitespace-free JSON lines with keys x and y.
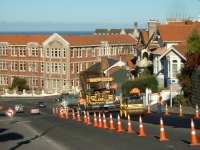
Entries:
{"x":78,"y":15}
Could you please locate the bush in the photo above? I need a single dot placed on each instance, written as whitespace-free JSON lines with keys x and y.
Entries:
{"x":180,"y":99}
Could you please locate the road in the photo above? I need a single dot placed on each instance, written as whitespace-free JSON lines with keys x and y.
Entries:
{"x":71,"y":134}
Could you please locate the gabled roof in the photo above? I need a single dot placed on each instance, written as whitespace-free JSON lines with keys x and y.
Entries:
{"x":145,"y":36}
{"x":129,"y":31}
{"x":23,"y":39}
{"x":119,"y":75}
{"x":97,"y":66}
{"x":115,"y":31}
{"x":179,"y":49}
{"x":176,"y":33}
{"x":160,"y":51}
{"x":101,"y":31}
{"x":96,"y":39}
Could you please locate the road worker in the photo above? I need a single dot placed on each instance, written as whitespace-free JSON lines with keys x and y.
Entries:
{"x":81,"y":102}
{"x":159,"y":103}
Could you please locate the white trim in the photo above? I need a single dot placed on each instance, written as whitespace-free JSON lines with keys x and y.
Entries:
{"x":57,"y":35}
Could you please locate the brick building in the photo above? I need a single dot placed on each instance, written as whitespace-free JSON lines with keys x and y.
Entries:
{"x":53,"y":62}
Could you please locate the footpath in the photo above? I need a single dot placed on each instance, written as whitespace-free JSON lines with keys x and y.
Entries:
{"x":16,"y":135}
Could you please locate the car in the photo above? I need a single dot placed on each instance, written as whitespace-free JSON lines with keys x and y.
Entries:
{"x":19,"y":108}
{"x":61,"y":97}
{"x":40,"y":104}
{"x":35,"y":110}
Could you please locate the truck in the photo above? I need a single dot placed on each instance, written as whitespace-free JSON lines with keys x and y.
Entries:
{"x":98,"y":91}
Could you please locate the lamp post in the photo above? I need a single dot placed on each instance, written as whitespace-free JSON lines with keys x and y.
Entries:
{"x":149,"y":96}
{"x":108,"y":66}
{"x":169,"y":80}
{"x":32,"y":78}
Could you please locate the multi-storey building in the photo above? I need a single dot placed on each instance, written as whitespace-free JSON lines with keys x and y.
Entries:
{"x":53,"y":62}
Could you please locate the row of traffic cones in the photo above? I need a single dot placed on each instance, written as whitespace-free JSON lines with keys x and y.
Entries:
{"x":99,"y":124}
{"x":180,"y":112}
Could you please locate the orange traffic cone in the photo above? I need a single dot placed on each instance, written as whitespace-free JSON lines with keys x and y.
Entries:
{"x":88,"y":119}
{"x":141,"y":127}
{"x":54,"y":111}
{"x":85,"y":117}
{"x":119,"y":129}
{"x":61,"y":114}
{"x":149,"y":110}
{"x":66,"y":114}
{"x":129,"y":125}
{"x":78,"y":116}
{"x":95,"y":120}
{"x":194,"y":141}
{"x":162,"y":132}
{"x":111,"y":123}
{"x":73,"y":115}
{"x":104,"y":122}
{"x":197,"y":111}
{"x":100,"y":122}
{"x":166,"y":110}
{"x":181,"y":112}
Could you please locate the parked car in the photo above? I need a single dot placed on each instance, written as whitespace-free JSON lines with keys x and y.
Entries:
{"x":35,"y":110}
{"x":61,"y":97}
{"x":19,"y":108}
{"x":40,"y":104}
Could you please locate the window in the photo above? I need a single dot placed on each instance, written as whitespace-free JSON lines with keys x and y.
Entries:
{"x":55,"y":68}
{"x":86,"y":52}
{"x":33,"y":82}
{"x":72,"y":68}
{"x":79,"y":53}
{"x":182,"y":64}
{"x":3,"y":51}
{"x":22,"y":66}
{"x":47,"y":68}
{"x":47,"y":52}
{"x":42,"y":82}
{"x":174,"y":68}
{"x":162,"y":66}
{"x":93,"y":53}
{"x":77,"y":67}
{"x":3,"y":80}
{"x":80,"y":66}
{"x":64,"y":53}
{"x":64,"y":69}
{"x":22,"y":51}
{"x":33,"y":67}
{"x":14,"y":65}
{"x":42,"y":66}
{"x":55,"y":84}
{"x":47,"y":83}
{"x":86,"y":65}
{"x":41,"y":52}
{"x":3,"y":65}
{"x":13,"y":51}
{"x":72,"y":53}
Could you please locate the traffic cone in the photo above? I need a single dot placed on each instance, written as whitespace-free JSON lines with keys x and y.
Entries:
{"x":180,"y":113}
{"x":162,"y":132}
{"x":95,"y":120}
{"x":197,"y":111}
{"x":166,"y":110}
{"x":129,"y":125}
{"x":111,"y":123}
{"x":149,"y":110}
{"x":194,"y":141}
{"x":54,"y":111}
{"x":85,"y":117}
{"x":100,"y":122}
{"x":119,"y":129}
{"x":104,"y":122}
{"x":141,"y":127}
{"x":88,"y":119}
{"x":73,"y":115}
{"x":66,"y":114}
{"x":61,"y":114}
{"x":78,"y":116}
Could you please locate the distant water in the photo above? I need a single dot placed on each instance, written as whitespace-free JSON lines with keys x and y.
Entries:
{"x":48,"y":32}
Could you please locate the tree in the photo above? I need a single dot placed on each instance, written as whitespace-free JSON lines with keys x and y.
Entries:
{"x":19,"y":83}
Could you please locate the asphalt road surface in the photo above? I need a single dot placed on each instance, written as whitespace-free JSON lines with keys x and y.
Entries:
{"x":71,"y":134}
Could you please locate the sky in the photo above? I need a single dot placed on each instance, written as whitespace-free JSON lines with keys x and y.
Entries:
{"x":87,"y":15}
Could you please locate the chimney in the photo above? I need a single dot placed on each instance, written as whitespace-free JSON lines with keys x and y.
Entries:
{"x":152,"y":25}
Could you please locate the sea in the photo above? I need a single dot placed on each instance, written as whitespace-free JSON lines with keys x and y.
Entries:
{"x":46,"y":32}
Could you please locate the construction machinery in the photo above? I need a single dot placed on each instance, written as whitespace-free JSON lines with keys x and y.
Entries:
{"x":97,"y":92}
{"x":132,"y":104}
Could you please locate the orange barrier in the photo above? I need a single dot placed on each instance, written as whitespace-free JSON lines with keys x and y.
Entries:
{"x":73,"y":115}
{"x":141,"y":132}
{"x":194,"y":141}
{"x":85,"y":117}
{"x":166,"y":110}
{"x":66,"y":114}
{"x":149,"y":110}
{"x":100,"y":122}
{"x":61,"y":114}
{"x":129,"y":125}
{"x":111,"y":123}
{"x":181,"y":112}
{"x":95,"y":120}
{"x":88,"y":119}
{"x":54,"y":111}
{"x":104,"y":122}
{"x":197,"y":111}
{"x":119,"y":129}
{"x":162,"y":132}
{"x":78,"y":116}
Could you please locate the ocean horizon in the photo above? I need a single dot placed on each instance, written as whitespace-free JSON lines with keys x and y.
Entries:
{"x":46,"y":32}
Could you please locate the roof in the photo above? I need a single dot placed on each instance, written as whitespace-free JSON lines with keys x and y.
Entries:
{"x":131,"y":62}
{"x":115,"y":31}
{"x":97,"y":66}
{"x":119,"y":75}
{"x":160,"y":51}
{"x":176,"y":32}
{"x":145,"y":35}
{"x":101,"y":31}
{"x":79,"y":40}
{"x":129,"y":31}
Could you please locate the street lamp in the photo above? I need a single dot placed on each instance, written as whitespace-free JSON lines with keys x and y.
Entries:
{"x":149,"y":96}
{"x":108,"y":66}
{"x":169,"y":80}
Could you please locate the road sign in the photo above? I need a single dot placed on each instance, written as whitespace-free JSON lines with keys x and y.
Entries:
{"x":10,"y":112}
